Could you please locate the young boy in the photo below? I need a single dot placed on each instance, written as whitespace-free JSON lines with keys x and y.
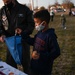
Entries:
{"x":63,"y":21}
{"x":45,"y":45}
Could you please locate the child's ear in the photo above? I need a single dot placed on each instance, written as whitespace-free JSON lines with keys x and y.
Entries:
{"x":44,"y":23}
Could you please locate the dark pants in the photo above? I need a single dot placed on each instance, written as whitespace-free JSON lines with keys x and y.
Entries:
{"x":31,"y":73}
{"x":51,"y":17}
{"x":25,"y":57}
{"x":36,"y":73}
{"x":63,"y":25}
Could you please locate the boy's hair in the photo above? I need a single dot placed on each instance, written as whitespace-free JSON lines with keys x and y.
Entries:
{"x":43,"y":15}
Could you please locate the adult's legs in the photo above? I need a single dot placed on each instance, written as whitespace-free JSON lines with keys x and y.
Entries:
{"x":25,"y":57}
{"x":32,"y":73}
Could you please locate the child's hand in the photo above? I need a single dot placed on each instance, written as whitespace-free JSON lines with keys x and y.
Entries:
{"x":35,"y":55}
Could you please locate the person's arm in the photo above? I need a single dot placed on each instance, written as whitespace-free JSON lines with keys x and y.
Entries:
{"x":27,"y":23}
{"x":0,"y":24}
{"x":30,"y":40}
{"x":53,"y":49}
{"x":25,"y":37}
{"x":2,"y":31}
{"x":2,"y":36}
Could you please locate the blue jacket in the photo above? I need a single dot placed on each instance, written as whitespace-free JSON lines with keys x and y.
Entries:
{"x":46,"y":44}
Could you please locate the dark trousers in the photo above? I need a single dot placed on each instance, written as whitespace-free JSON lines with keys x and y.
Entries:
{"x":63,"y":25}
{"x":31,"y":73}
{"x":25,"y":57}
{"x":36,"y":73}
{"x":51,"y":17}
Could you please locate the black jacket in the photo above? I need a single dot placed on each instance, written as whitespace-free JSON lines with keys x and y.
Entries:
{"x":19,"y":16}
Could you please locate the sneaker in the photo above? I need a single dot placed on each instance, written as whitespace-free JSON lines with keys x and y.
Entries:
{"x":64,"y":27}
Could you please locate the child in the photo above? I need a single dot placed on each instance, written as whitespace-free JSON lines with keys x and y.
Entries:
{"x":45,"y":45}
{"x":63,"y":21}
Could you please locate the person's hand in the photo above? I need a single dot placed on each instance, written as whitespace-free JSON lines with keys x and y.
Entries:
{"x":11,"y":73}
{"x":18,"y":31}
{"x":2,"y":38}
{"x":35,"y":55}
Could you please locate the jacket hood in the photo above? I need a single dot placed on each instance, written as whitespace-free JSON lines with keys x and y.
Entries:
{"x":51,"y":31}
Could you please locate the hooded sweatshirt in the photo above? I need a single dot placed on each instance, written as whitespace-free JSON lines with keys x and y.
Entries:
{"x":45,"y":43}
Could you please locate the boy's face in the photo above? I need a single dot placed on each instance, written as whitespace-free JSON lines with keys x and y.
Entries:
{"x":37,"y":21}
{"x":40,"y":25}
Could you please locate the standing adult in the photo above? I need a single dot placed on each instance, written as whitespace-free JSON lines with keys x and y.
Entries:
{"x":51,"y":14}
{"x":15,"y":16}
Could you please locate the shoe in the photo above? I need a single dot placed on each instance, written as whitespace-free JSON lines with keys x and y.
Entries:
{"x":64,"y":27}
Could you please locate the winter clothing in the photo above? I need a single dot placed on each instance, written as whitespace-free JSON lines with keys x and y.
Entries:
{"x":17,"y":16}
{"x":45,"y":43}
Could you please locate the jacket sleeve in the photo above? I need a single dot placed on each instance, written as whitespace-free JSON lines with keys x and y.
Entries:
{"x":30,"y":40}
{"x":54,"y":50}
{"x":1,"y":26}
{"x":0,"y":22}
